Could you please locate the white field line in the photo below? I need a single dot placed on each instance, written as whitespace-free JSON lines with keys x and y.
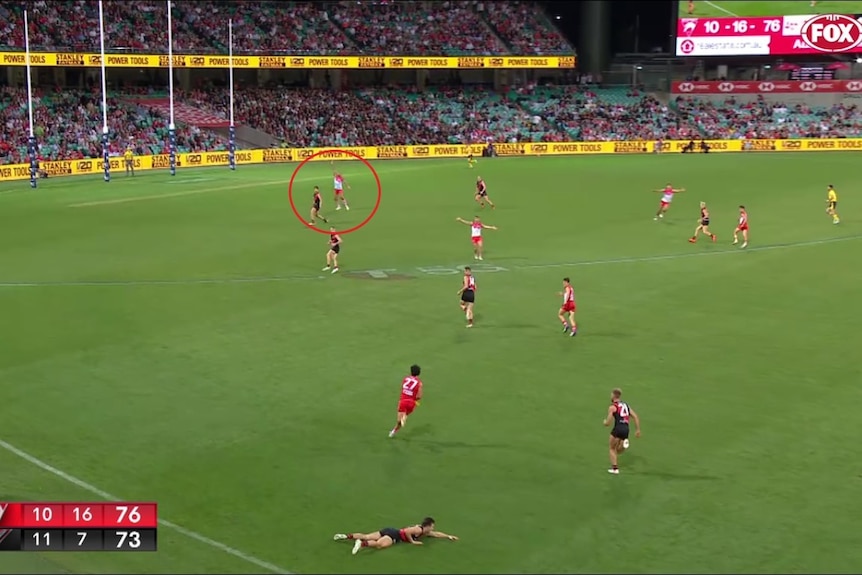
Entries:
{"x":248,"y":185}
{"x":719,"y":8}
{"x":528,"y":267}
{"x":108,"y":497}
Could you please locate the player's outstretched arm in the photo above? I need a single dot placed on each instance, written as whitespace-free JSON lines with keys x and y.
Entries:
{"x":441,"y":535}
{"x":463,"y":221}
{"x":489,"y":227}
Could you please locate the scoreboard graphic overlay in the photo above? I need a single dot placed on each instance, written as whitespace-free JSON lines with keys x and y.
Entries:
{"x":765,"y":35}
{"x":78,"y":526}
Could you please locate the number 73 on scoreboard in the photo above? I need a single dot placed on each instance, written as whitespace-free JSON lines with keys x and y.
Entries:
{"x":54,"y":526}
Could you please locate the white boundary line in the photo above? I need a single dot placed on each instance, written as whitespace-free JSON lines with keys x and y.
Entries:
{"x":499,"y":268}
{"x":717,"y":7}
{"x":199,"y":191}
{"x":108,"y":497}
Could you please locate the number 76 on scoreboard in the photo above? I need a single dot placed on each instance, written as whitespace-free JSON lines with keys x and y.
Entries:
{"x":51,"y":526}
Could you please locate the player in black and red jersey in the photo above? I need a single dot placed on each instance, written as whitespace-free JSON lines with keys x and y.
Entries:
{"x":389,"y":536}
{"x":702,"y":224}
{"x":619,"y":413}
{"x":334,"y":250}
{"x":482,"y":193}
{"x":315,"y":207}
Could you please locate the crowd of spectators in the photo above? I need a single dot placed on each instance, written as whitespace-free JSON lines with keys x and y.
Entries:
{"x":731,"y":119}
{"x":522,"y":28}
{"x":410,"y":28}
{"x":68,"y":123}
{"x":438,"y":27}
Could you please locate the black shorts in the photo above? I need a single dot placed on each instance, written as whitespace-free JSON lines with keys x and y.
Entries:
{"x":316,"y":206}
{"x":392,"y":533}
{"x":704,"y":222}
{"x":833,"y":205}
{"x":482,"y":194}
{"x":335,"y":249}
{"x":621,"y":431}
{"x":468,"y":296}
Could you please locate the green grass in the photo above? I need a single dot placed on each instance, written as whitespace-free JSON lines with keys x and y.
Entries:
{"x":726,"y":8}
{"x":256,"y":412}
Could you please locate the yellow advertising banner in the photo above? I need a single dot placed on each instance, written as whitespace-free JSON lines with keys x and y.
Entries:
{"x":283,"y":155}
{"x":74,"y":60}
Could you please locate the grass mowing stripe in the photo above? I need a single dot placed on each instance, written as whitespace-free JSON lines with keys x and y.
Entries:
{"x":274,"y":279}
{"x":108,"y":497}
{"x":199,"y":191}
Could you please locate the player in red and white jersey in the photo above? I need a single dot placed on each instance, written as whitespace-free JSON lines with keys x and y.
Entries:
{"x":338,"y":184}
{"x":411,"y":395}
{"x":389,"y":536}
{"x":468,"y":295}
{"x":482,"y":194}
{"x":569,"y":308}
{"x":741,"y":226}
{"x":476,"y":227}
{"x":619,"y":413}
{"x":666,"y":198}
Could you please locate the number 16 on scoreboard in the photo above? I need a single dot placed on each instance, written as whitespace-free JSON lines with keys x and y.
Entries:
{"x":116,"y":526}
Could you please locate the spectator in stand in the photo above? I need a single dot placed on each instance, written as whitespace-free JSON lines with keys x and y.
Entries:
{"x":524,"y":28}
{"x":417,"y":27}
{"x":68,"y":125}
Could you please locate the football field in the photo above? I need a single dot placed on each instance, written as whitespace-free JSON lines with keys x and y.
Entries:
{"x":174,"y":340}
{"x":727,"y":8}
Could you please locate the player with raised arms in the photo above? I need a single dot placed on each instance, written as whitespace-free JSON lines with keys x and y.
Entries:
{"x":569,"y":308}
{"x":315,"y":207}
{"x":468,"y":295}
{"x":389,"y":536}
{"x":482,"y":194}
{"x":338,"y":185}
{"x":334,"y":250}
{"x":411,"y":395}
{"x":666,"y":198}
{"x":476,"y":227}
{"x":702,"y":224}
{"x":619,"y":414}
{"x":741,"y":226}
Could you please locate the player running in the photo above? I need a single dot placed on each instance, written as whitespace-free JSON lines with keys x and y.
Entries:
{"x":666,"y":198}
{"x":338,"y":184}
{"x":742,"y":226}
{"x":389,"y":536}
{"x":482,"y":194}
{"x":470,"y":161}
{"x":832,"y":204}
{"x":468,"y":295}
{"x":476,"y":227}
{"x":619,"y":413}
{"x":334,"y":250}
{"x":702,"y":224}
{"x":411,"y":395}
{"x":315,"y":208}
{"x":569,"y":308}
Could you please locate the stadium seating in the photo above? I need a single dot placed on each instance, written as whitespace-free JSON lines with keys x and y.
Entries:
{"x":523,"y":28}
{"x":68,"y":125}
{"x":69,"y":122}
{"x":440,"y":27}
{"x":731,"y":119}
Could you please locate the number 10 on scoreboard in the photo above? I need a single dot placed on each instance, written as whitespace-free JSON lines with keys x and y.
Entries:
{"x":78,"y":526}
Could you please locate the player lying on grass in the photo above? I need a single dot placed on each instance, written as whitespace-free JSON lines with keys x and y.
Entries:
{"x":389,"y":536}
